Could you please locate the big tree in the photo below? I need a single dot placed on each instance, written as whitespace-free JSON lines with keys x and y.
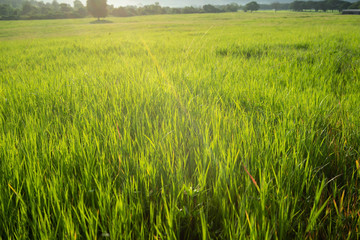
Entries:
{"x":97,"y":8}
{"x":252,"y":6}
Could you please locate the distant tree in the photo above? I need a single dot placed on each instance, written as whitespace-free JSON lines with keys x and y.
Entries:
{"x":28,"y":9}
{"x":156,"y":8}
{"x":45,"y":9}
{"x":232,"y":7}
{"x":152,"y":9}
{"x":344,"y":5}
{"x":336,"y":5}
{"x":7,"y":12}
{"x":65,"y":7}
{"x":97,"y":8}
{"x":120,"y":12}
{"x":316,"y":6}
{"x":167,"y":10}
{"x":55,"y":5}
{"x":176,"y":10}
{"x":332,"y":4}
{"x":79,"y":8}
{"x":5,"y":9}
{"x":355,"y":5}
{"x":188,"y":10}
{"x":251,"y":6}
{"x":309,"y":5}
{"x":275,"y":6}
{"x":132,"y":10}
{"x":78,"y":4}
{"x":17,"y":4}
{"x":297,"y":6}
{"x":323,"y":6}
{"x":208,"y":8}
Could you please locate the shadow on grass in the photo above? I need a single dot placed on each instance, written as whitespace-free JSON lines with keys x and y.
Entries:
{"x":100,"y":21}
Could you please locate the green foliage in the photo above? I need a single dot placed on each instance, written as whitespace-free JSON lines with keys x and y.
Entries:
{"x":40,"y":10}
{"x":221,"y":126}
{"x":97,"y":8}
{"x":251,"y":6}
{"x":208,"y":8}
{"x":13,"y":3}
{"x":8,"y":13}
{"x":355,"y":5}
{"x":232,"y":7}
{"x":332,"y":5}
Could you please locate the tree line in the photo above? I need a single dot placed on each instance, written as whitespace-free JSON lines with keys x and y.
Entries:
{"x":32,"y":9}
{"x":327,"y":5}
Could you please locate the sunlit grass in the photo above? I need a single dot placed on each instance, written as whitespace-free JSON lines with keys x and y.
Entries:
{"x":229,"y":126}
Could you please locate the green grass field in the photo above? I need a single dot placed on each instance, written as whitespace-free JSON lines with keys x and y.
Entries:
{"x":210,"y":126}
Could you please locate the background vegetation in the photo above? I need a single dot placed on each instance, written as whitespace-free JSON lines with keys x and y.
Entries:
{"x":224,"y":126}
{"x":24,"y":9}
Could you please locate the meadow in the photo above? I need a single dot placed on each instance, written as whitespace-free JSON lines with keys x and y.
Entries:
{"x":204,"y":126}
